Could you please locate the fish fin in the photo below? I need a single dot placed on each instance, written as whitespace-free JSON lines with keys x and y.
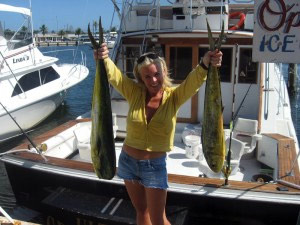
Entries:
{"x":93,"y":41}
{"x":101,"y":40}
{"x":221,"y":37}
{"x":210,"y":38}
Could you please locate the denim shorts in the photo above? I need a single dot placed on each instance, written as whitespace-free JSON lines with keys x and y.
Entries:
{"x":151,"y":173}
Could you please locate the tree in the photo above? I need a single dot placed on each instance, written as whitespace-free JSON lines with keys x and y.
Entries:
{"x":8,"y":33}
{"x":78,"y":31}
{"x":95,"y":25}
{"x":61,"y":33}
{"x":113,"y":29}
{"x":24,"y":29}
{"x":44,"y":29}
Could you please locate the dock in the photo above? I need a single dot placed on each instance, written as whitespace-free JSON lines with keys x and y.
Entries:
{"x":57,"y":43}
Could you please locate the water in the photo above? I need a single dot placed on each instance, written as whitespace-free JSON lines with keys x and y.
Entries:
{"x":77,"y":102}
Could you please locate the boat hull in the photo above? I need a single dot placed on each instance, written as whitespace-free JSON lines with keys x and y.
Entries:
{"x":29,"y":116}
{"x":41,"y":187}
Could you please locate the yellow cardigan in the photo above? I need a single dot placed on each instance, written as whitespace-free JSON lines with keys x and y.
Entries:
{"x":158,"y":135}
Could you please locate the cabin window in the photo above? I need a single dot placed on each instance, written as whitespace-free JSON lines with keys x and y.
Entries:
{"x":48,"y":75}
{"x":247,"y":68}
{"x":27,"y":82}
{"x":225,"y":69}
{"x":131,"y":55}
{"x":180,"y":62}
{"x":33,"y":80}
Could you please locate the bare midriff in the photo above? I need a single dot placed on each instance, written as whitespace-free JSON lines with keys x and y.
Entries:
{"x":141,"y":154}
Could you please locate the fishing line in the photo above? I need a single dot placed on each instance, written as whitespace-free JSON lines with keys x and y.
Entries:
{"x":242,"y":102}
{"x":28,"y":138}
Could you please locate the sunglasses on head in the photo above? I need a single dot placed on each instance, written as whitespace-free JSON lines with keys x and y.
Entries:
{"x":150,"y":55}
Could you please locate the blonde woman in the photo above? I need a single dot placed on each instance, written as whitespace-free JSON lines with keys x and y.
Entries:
{"x":151,"y":120}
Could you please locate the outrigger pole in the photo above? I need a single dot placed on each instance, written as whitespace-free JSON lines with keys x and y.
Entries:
{"x":29,"y":139}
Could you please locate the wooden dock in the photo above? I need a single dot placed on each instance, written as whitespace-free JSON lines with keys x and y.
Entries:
{"x":57,"y":43}
{"x":4,"y":221}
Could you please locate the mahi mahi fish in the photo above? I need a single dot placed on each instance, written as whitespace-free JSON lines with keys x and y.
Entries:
{"x":212,"y":136}
{"x":102,"y":138}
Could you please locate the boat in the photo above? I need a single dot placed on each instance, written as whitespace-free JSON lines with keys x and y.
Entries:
{"x":264,"y":185}
{"x":33,"y":84}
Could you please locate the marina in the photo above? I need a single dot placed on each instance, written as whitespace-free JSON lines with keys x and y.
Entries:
{"x":264,"y":183}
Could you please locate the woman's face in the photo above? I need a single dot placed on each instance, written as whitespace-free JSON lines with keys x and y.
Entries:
{"x":152,"y":76}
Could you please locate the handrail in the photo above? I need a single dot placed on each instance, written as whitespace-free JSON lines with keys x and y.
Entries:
{"x":146,"y":28}
{"x":243,"y":1}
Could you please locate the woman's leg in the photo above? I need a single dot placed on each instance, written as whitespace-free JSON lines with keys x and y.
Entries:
{"x":156,"y":202}
{"x":137,"y":195}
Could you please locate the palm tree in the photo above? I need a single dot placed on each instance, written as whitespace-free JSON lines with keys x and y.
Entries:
{"x":44,"y":29}
{"x":95,"y":25}
{"x":78,"y":31}
{"x":61,"y":33}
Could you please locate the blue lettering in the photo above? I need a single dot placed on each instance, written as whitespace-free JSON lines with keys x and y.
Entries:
{"x":271,"y":41}
{"x":262,"y":44}
{"x":287,"y":40}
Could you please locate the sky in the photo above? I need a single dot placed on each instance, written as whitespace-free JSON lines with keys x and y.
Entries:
{"x":61,"y":14}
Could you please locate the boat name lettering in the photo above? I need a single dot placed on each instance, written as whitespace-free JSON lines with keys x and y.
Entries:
{"x":21,"y":59}
{"x":79,"y":221}
{"x":287,"y":17}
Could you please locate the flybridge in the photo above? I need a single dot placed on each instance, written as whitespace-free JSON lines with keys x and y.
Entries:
{"x":9,"y":8}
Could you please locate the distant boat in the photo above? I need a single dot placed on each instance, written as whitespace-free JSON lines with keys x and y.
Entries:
{"x":32,"y":84}
{"x":108,"y":38}
{"x":264,"y":185}
{"x":84,"y":40}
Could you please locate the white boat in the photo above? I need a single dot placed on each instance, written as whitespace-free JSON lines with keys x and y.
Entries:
{"x":32,"y":85}
{"x":264,"y":186}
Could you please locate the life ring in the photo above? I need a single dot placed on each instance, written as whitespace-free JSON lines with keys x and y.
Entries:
{"x":241,"y":21}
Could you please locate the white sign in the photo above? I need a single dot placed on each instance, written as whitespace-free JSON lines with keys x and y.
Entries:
{"x":277,"y":31}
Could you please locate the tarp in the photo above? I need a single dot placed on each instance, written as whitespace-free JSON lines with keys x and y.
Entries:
{"x":9,"y":8}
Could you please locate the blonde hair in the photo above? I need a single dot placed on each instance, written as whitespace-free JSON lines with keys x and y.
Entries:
{"x":160,"y":63}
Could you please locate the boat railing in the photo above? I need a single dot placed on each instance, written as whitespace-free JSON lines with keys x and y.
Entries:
{"x":282,"y":92}
{"x":243,"y":1}
{"x":180,"y":15}
{"x":75,"y":64}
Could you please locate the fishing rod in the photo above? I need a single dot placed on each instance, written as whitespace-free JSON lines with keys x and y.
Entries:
{"x":226,"y":170}
{"x":28,"y":138}
{"x":233,"y":117}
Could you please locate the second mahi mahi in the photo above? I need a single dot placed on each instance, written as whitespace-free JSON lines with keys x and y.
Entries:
{"x":212,"y":136}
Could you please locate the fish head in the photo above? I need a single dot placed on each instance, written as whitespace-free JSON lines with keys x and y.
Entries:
{"x":215,"y":162}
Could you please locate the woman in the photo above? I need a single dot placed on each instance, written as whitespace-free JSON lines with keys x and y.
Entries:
{"x":151,"y":120}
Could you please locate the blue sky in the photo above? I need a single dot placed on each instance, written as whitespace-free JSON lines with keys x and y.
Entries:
{"x":60,"y":14}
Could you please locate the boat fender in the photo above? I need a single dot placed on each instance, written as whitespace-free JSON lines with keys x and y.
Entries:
{"x":241,"y":21}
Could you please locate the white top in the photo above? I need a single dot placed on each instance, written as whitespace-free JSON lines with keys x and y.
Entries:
{"x":9,"y":8}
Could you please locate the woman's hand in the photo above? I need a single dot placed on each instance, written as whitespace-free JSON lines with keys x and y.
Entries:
{"x":101,"y":53}
{"x":214,"y":58}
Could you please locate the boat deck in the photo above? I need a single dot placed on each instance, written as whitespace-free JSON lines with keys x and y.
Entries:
{"x":185,"y":172}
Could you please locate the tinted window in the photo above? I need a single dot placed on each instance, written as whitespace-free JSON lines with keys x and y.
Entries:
{"x":180,"y":62}
{"x":131,"y":55}
{"x":27,"y":82}
{"x":247,"y":69}
{"x":32,"y":80}
{"x":225,"y":69}
{"x":48,"y":75}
